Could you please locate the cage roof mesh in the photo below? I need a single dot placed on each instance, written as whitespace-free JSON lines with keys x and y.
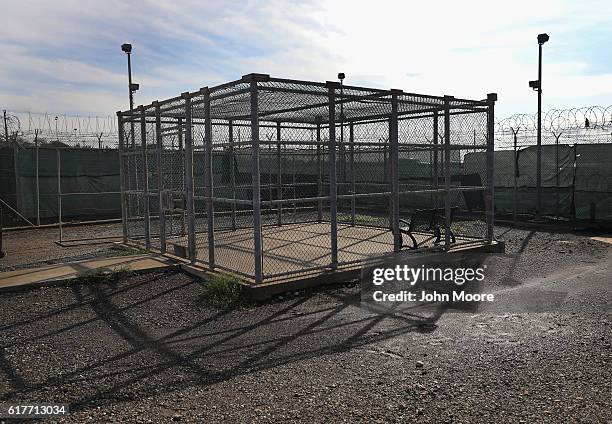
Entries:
{"x":283,"y":100}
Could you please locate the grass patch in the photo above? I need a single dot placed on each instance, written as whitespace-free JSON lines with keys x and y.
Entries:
{"x":132,"y":251}
{"x":224,"y":292}
{"x":105,"y":277}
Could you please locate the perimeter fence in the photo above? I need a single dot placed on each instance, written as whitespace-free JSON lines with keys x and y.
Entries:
{"x":61,"y":169}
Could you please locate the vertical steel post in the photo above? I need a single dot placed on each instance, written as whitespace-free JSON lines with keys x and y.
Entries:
{"x":447,"y":172}
{"x":18,"y":199}
{"x":385,"y":164}
{"x":6,"y":134}
{"x":539,"y":138}
{"x":342,"y":149}
{"x":208,"y":178}
{"x":279,"y":177}
{"x":37,"y":180}
{"x":394,"y":159}
{"x":293,"y":184}
{"x":489,"y":196}
{"x":352,"y":160}
{"x":2,"y":252}
{"x":333,"y":188}
{"x":232,"y":171}
{"x":122,"y":178}
{"x":257,"y":240}
{"x":515,"y":167}
{"x":59,"y":194}
{"x":160,"y":178}
{"x":270,"y":188}
{"x":145,"y":177}
{"x":15,"y":162}
{"x":319,"y":172}
{"x":436,"y":159}
{"x":341,"y":160}
{"x":388,"y":173}
{"x":182,"y":157}
{"x":191,"y":241}
{"x":131,"y":94}
{"x":557,"y":175}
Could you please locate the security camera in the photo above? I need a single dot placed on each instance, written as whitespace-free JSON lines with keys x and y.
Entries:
{"x":534,"y":84}
{"x":543,"y":38}
{"x":134,"y":86}
{"x":341,"y":76}
{"x":126,"y":47}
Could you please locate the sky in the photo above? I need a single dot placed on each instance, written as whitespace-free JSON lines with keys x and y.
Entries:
{"x":64,"y":56}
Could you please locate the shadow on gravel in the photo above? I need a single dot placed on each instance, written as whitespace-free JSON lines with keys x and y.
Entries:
{"x":152,"y":336}
{"x":509,"y":279}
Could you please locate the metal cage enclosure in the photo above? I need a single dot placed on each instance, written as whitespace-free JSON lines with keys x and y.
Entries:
{"x":267,"y":177}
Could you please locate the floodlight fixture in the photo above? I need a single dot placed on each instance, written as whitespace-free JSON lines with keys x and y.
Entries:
{"x":341,"y":76}
{"x":543,"y":38}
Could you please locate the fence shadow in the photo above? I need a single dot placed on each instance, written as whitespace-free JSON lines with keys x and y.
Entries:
{"x":144,"y":359}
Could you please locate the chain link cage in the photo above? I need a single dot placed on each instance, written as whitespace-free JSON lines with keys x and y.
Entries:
{"x":267,"y":178}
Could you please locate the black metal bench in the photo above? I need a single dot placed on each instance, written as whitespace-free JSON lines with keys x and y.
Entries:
{"x":431,"y":220}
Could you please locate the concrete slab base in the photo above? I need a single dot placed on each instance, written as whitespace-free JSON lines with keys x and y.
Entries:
{"x":323,"y":277}
{"x":23,"y":278}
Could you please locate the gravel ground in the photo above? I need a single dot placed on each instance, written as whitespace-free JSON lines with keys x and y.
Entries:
{"x":37,"y":247}
{"x":149,"y":349}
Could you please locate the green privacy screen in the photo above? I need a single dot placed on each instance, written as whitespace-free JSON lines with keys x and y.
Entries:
{"x":583,"y":182}
{"x":89,"y":183}
{"x":90,"y":180}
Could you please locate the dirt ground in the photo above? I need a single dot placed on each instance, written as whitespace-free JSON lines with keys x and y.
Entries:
{"x":37,"y":247}
{"x":150,"y":349}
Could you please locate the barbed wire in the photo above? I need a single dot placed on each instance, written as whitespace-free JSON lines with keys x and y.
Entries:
{"x":72,"y":130}
{"x":12,"y":123}
{"x":591,"y":124}
{"x":560,"y":119}
{"x":585,"y":125}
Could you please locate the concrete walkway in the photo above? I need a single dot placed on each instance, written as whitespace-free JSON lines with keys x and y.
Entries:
{"x":59,"y":272}
{"x":605,"y":239}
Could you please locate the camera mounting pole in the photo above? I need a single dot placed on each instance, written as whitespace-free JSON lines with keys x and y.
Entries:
{"x":537,"y":85}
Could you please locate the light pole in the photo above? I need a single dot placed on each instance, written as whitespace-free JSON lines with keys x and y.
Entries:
{"x":537,"y":85}
{"x":132,"y":87}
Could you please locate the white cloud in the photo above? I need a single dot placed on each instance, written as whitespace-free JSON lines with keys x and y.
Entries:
{"x":446,"y":47}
